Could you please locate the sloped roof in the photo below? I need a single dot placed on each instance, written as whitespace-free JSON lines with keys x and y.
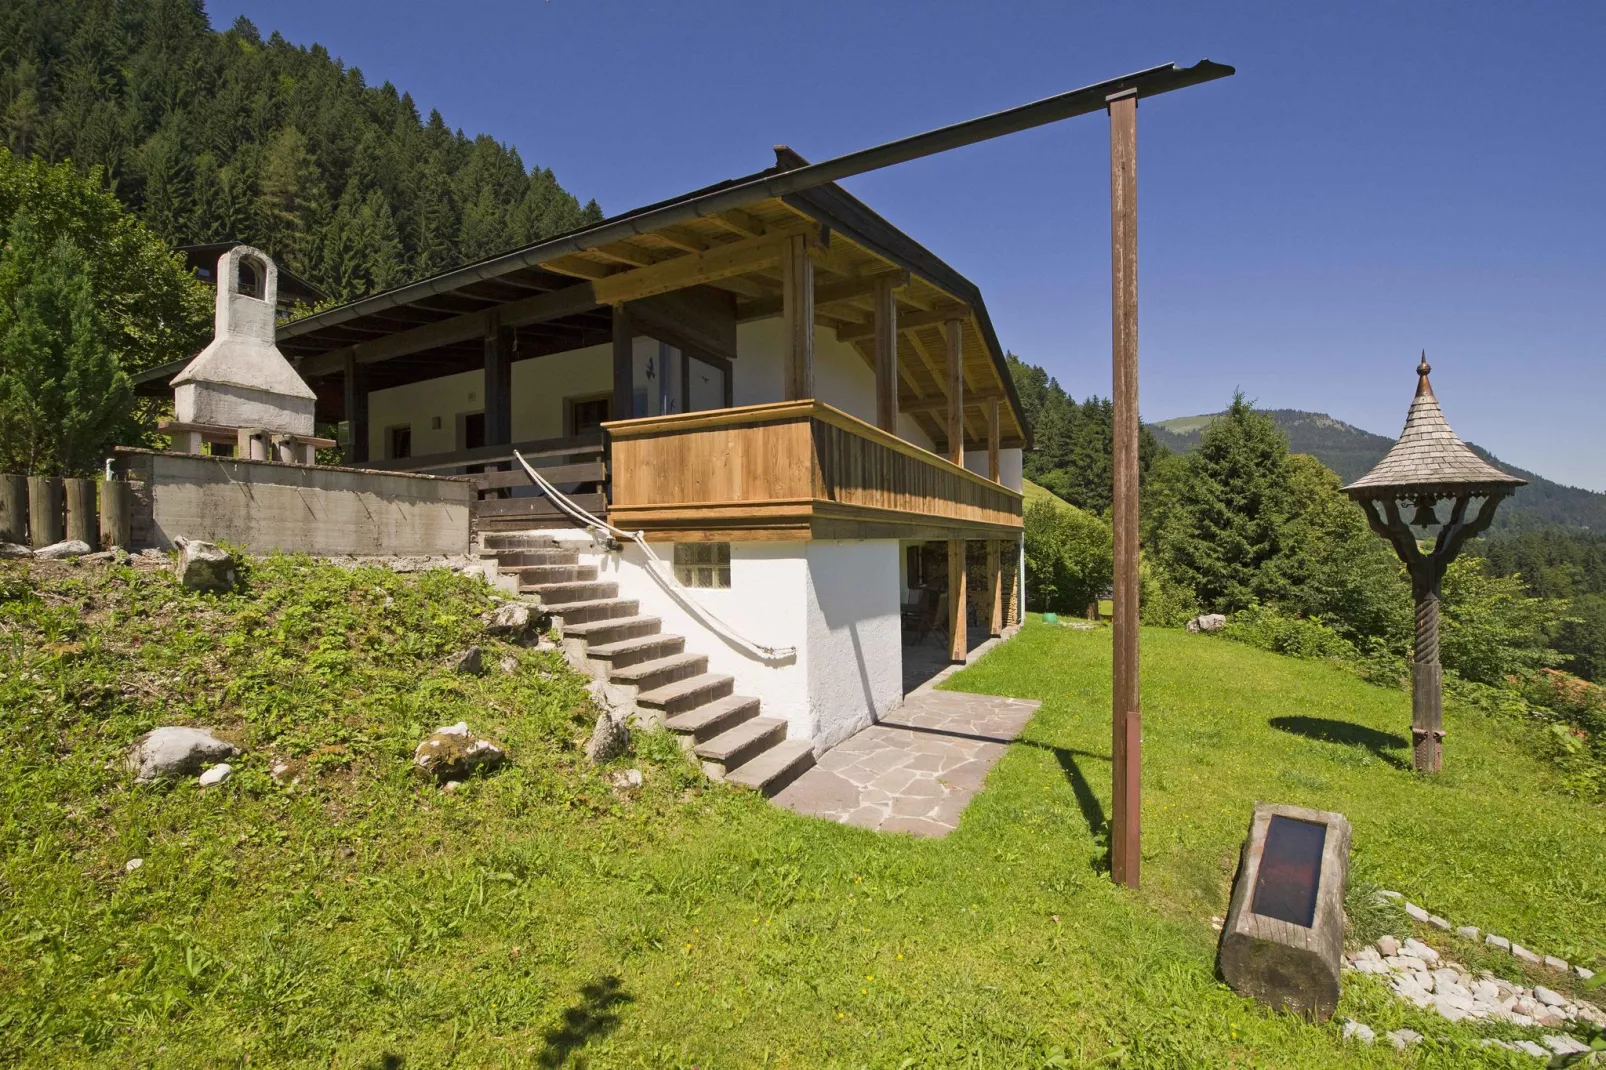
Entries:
{"x":1429,"y":459}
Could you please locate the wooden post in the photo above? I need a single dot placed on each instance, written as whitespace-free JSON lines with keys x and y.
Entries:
{"x":956,"y":392}
{"x":958,"y":642}
{"x":498,"y":385}
{"x":116,"y":513}
{"x":1125,"y":827}
{"x":624,"y":366}
{"x":1427,"y":675}
{"x":994,"y":471}
{"x":44,"y":510}
{"x":14,"y":509}
{"x":797,"y":312}
{"x":995,"y":586}
{"x":886,"y":356}
{"x":83,"y":520}
{"x":356,"y":413}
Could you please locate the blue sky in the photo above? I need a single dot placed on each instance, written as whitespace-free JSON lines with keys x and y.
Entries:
{"x":1377,"y":179}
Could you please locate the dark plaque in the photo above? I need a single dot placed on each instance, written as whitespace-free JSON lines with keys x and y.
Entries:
{"x":1290,"y":871}
{"x":1284,"y":931}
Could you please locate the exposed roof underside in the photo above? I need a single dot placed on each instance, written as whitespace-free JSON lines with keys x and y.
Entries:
{"x":451,"y":311}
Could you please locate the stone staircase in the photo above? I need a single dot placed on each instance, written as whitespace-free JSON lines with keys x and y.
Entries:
{"x":631,"y":653}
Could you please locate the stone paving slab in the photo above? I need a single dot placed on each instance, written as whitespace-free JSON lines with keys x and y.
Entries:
{"x":916,"y":770}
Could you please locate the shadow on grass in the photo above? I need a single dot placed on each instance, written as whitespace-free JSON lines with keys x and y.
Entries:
{"x":588,"y":1019}
{"x":1324,"y":730}
{"x":1086,"y":801}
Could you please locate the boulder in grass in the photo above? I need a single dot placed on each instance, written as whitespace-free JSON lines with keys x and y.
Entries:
{"x":454,"y":753}
{"x":510,"y":619}
{"x":469,"y":662}
{"x":609,"y":739}
{"x":204,"y":566}
{"x":14,"y":549}
{"x":56,"y":551}
{"x":1207,"y":622}
{"x":174,"y":752}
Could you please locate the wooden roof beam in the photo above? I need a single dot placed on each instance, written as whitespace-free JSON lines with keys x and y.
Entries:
{"x":824,"y":294}
{"x":940,"y":314}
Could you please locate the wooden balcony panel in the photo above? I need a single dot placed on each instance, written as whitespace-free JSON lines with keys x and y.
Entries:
{"x":794,"y":471}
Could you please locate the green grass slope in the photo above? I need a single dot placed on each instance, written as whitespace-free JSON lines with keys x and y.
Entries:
{"x":539,"y":917}
{"x":1035,"y":492}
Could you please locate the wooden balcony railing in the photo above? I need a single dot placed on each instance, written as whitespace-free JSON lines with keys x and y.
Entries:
{"x":791,"y":471}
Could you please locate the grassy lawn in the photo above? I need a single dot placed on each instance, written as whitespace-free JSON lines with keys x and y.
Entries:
{"x":540,"y":917}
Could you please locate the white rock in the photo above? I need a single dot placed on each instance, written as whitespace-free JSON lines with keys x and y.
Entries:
{"x":1438,"y":922}
{"x":1470,"y":932}
{"x":1562,"y":1044}
{"x":1388,"y":945}
{"x":1584,"y":972}
{"x":132,"y":864}
{"x":173,"y":752}
{"x":609,"y":739}
{"x":58,"y":550}
{"x":627,"y":778}
{"x":1533,"y":1049}
{"x":1522,"y":953}
{"x":453,"y":752}
{"x":510,"y":619}
{"x":1387,"y":893}
{"x":1525,"y":1007}
{"x":1555,"y":963}
{"x":1422,"y":951}
{"x":1354,"y":1030}
{"x":1591,"y":1014}
{"x":216,"y":775}
{"x":1486,"y":990}
{"x":1549,"y":997}
{"x":451,"y":786}
{"x":14,"y":549}
{"x":458,"y":729}
{"x":1497,"y":941}
{"x":204,"y":566}
{"x":1403,"y":1038}
{"x":1207,"y":622}
{"x":1416,"y":912}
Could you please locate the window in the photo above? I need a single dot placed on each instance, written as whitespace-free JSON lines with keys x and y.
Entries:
{"x":703,"y":564}
{"x":587,"y":414}
{"x":401,"y":442}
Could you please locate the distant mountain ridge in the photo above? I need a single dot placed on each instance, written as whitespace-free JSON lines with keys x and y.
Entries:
{"x":1351,"y":452}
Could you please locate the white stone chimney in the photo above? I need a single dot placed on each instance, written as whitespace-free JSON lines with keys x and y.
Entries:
{"x":241,"y":379}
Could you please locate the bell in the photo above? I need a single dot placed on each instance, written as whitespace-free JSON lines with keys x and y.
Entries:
{"x":1425,"y":516}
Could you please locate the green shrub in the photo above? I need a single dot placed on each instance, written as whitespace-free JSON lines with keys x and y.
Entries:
{"x":1267,"y":628}
{"x":1069,"y":558}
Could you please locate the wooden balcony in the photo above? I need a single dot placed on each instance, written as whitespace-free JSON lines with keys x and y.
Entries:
{"x":791,"y":471}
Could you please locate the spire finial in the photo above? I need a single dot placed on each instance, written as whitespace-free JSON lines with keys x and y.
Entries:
{"x":1423,"y":387}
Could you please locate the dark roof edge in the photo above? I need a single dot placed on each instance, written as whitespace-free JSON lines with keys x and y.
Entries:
{"x":765,"y":185}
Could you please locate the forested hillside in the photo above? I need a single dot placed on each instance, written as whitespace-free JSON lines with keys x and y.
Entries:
{"x":210,"y":136}
{"x":1351,"y":452}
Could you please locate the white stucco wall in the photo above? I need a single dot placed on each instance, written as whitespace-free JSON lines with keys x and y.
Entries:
{"x":836,"y":602}
{"x":855,"y":636}
{"x":1010,"y":462}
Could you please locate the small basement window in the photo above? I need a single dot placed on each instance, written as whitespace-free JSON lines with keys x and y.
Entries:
{"x":703,"y":564}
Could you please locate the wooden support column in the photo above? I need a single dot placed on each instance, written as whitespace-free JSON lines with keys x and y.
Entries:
{"x":1126,"y":730}
{"x":995,"y":586}
{"x":797,"y":312}
{"x":958,"y":642}
{"x":956,"y":392}
{"x":356,"y":412}
{"x":498,"y":384}
{"x":624,"y":366}
{"x":83,"y":514}
{"x":14,"y":509}
{"x":886,"y":356}
{"x":994,"y":470}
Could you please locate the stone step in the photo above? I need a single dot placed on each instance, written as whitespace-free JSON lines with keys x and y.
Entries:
{"x":687,"y":694}
{"x":735,"y":746}
{"x":544,"y":574}
{"x":634,"y":651}
{"x":709,"y":720}
{"x":775,"y":768}
{"x":648,"y":675}
{"x":512,"y":559}
{"x":601,"y":609}
{"x":557,"y":594}
{"x":612,"y":629}
{"x":516,"y":540}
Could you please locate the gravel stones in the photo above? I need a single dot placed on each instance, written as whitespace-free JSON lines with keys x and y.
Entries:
{"x":204,"y":566}
{"x":170,"y":752}
{"x":453,"y":753}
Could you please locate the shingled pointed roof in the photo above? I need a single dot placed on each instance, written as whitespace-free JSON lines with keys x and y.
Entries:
{"x":1429,"y":460}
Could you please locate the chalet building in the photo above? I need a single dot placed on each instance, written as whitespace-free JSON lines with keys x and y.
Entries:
{"x":805,"y":412}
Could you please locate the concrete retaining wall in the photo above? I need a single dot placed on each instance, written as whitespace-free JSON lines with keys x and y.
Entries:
{"x":265,"y":505}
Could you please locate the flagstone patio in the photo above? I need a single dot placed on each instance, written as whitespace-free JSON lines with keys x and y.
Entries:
{"x":917,"y":769}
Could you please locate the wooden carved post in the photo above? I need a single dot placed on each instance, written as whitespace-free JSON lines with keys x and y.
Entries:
{"x":797,"y":312}
{"x":886,"y":356}
{"x":1126,"y":732}
{"x":1427,"y":677}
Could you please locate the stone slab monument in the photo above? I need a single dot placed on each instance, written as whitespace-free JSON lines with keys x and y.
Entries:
{"x":1284,"y":934}
{"x":240,"y":389}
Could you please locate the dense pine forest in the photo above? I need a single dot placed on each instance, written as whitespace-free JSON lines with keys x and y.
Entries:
{"x":210,"y":136}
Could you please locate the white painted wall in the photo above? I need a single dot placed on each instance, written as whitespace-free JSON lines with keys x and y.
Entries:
{"x":855,"y":636}
{"x":1010,"y":472}
{"x":417,"y":404}
{"x":836,"y":602}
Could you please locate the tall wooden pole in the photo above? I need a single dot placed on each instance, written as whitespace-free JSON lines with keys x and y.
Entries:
{"x":886,"y":356}
{"x":1126,"y":735}
{"x":958,"y":640}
